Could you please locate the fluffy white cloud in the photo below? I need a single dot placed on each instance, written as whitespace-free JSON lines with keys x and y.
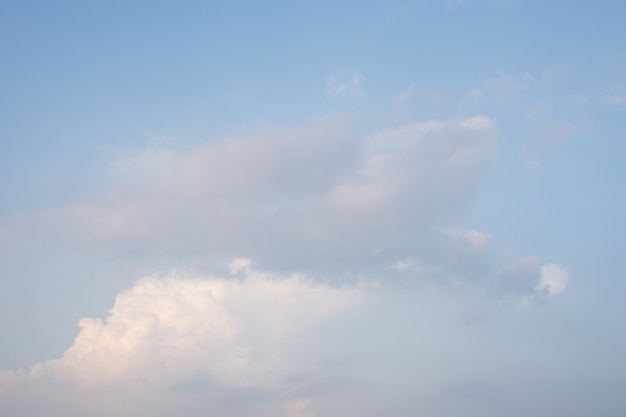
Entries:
{"x":175,"y":334}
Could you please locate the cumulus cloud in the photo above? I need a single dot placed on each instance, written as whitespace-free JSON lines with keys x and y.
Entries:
{"x":170,"y":336}
{"x":253,"y":343}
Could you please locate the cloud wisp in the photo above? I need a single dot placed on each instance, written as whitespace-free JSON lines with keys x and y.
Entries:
{"x":340,"y":86}
{"x":177,"y":338}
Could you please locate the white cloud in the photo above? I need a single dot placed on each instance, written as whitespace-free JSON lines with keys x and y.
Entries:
{"x":170,"y":335}
{"x":313,"y":199}
{"x":553,"y":280}
{"x":502,"y":89}
{"x":475,"y":239}
{"x":304,"y":199}
{"x":537,"y":281}
{"x":252,"y":344}
{"x":403,"y":264}
{"x":478,"y":123}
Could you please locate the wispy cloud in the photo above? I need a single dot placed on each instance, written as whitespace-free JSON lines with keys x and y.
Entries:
{"x":345,"y":86}
{"x":312,"y":199}
{"x":616,"y":94}
{"x":548,"y":139}
{"x":502,"y":89}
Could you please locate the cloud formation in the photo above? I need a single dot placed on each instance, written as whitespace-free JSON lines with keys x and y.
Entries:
{"x":553,"y":279}
{"x":256,"y":344}
{"x":315,"y":195}
{"x":170,"y":336}
{"x":340,"y":86}
{"x":314,"y":199}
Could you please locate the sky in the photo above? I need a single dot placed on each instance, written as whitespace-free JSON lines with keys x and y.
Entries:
{"x":312,"y":209}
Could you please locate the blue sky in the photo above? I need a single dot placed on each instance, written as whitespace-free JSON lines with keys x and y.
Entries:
{"x":312,"y":209}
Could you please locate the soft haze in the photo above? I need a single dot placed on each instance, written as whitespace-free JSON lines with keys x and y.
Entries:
{"x":401,"y":208}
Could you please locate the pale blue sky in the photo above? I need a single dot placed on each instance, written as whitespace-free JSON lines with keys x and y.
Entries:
{"x":456,"y":166}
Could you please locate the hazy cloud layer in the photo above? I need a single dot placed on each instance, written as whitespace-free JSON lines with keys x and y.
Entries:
{"x":314,"y":194}
{"x":315,"y":199}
